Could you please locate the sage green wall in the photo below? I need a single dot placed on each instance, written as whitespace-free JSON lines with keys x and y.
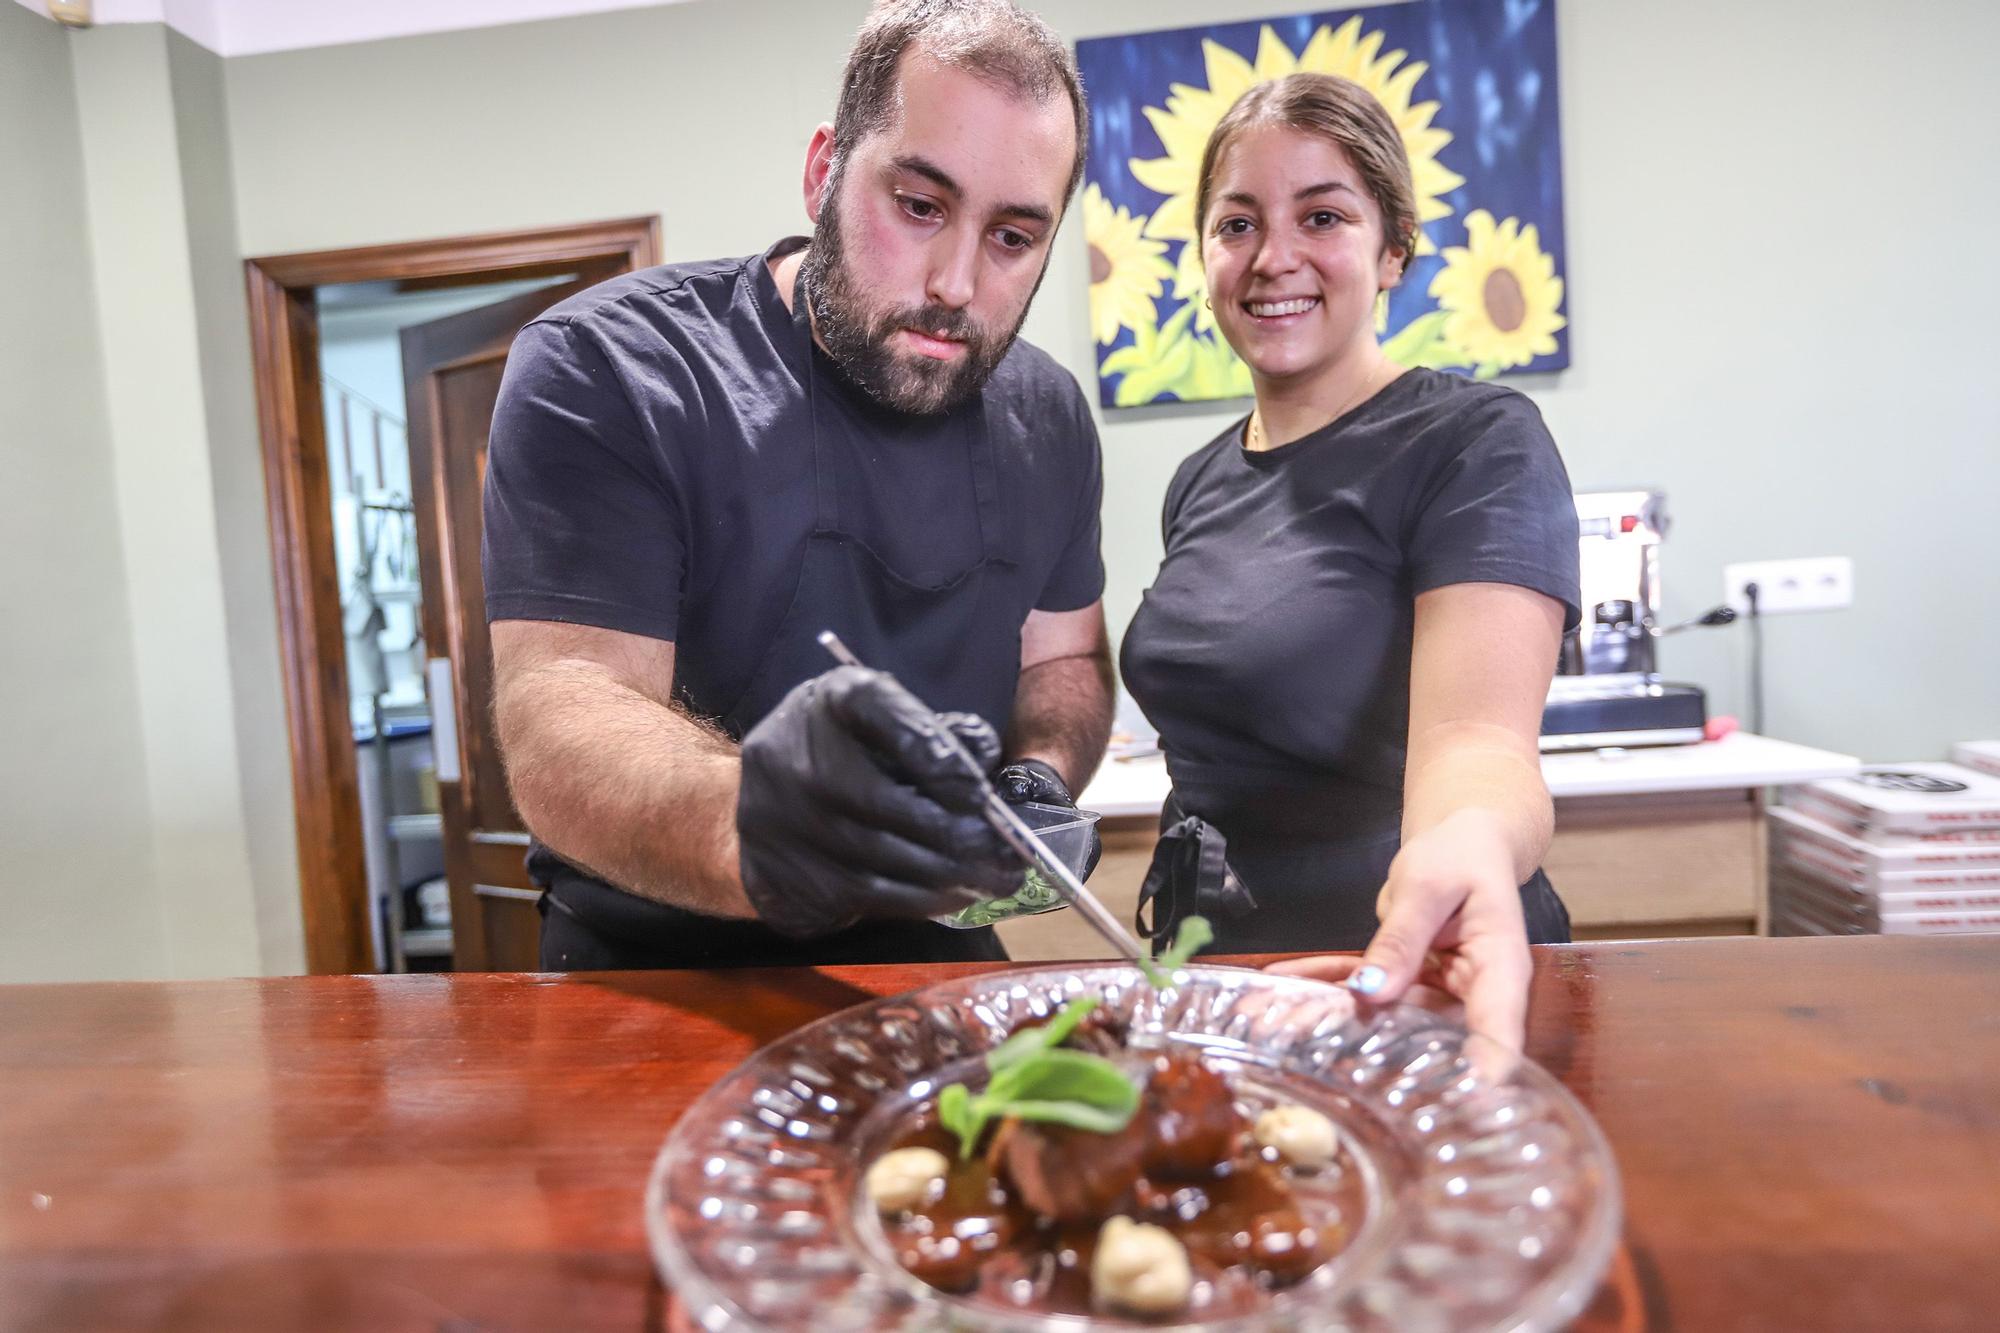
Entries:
{"x":76,"y":868}
{"x":1779,"y":278}
{"x":161,"y":231}
{"x":236,"y":474}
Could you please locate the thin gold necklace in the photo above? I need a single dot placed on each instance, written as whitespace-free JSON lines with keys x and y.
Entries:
{"x":1253,"y":434}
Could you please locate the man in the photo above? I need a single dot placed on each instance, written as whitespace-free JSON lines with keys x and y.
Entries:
{"x":696,"y":469}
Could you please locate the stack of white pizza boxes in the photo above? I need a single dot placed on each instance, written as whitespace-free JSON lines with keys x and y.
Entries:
{"x":1902,"y":849}
{"x":1982,"y":755}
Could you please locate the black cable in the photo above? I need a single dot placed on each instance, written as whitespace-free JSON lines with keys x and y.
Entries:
{"x":1756,"y":661}
{"x":1720,"y":615}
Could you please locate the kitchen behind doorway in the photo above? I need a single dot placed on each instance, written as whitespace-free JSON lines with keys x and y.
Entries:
{"x":377,"y":372}
{"x":378,"y":555}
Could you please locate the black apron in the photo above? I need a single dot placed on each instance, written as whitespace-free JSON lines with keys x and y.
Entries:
{"x":956,"y":645}
{"x":1301,"y":878}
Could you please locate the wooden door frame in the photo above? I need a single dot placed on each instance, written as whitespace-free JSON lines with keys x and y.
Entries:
{"x":284,"y":335}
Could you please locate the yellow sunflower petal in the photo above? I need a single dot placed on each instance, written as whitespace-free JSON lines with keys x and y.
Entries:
{"x":1126,"y":270}
{"x":1499,"y":294}
{"x":1190,"y":114}
{"x":1274,"y":58}
{"x":1229,"y":75}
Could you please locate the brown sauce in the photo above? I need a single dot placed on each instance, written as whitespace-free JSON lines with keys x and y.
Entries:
{"x":1250,"y":1225}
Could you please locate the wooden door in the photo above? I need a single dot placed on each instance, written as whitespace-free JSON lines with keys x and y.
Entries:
{"x":451,"y":378}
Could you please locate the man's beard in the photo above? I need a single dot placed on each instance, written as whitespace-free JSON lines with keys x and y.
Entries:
{"x":859,"y":340}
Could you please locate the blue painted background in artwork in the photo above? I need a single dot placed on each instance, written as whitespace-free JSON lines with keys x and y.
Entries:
{"x":1492,"y":70}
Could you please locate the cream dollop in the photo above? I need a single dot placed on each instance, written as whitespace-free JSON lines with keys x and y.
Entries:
{"x":903,"y":1179}
{"x":1299,"y":1134}
{"x":1139,"y":1267}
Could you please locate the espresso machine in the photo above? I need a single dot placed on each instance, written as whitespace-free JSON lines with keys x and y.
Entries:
{"x":1607,"y":691}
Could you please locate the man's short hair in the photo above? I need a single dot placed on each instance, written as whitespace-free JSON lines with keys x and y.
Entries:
{"x":990,"y":39}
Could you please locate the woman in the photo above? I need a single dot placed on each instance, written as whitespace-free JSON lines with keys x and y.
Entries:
{"x":1349,"y":642}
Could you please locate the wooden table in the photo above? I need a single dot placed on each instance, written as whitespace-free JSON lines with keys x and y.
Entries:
{"x":1809,"y":1133}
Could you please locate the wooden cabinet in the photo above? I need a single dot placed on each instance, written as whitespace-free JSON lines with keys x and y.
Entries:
{"x":1660,"y":865}
{"x":1651,"y":866}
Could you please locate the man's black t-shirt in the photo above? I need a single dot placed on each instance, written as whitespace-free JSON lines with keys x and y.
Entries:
{"x":651,"y":470}
{"x":1273,"y":649}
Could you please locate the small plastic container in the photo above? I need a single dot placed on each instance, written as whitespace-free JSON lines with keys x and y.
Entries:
{"x":1067,"y":833}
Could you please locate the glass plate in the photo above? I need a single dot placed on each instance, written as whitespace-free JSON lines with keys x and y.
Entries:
{"x":1491,"y":1196}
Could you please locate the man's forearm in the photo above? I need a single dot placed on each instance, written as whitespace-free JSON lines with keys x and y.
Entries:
{"x":1062,"y":715}
{"x":633,"y":790}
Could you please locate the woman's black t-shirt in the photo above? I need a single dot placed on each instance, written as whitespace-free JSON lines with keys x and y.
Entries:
{"x":1273,"y":650}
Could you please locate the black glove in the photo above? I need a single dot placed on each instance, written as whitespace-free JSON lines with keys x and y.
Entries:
{"x":1028,"y":780}
{"x":853,"y":805}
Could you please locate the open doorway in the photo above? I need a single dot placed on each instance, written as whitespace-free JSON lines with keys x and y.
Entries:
{"x":377,"y":371}
{"x":379,"y":554}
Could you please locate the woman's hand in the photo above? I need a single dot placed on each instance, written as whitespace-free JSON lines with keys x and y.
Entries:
{"x":1451,"y":919}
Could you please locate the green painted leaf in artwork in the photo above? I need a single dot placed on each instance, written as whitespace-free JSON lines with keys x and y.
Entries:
{"x":1214,"y":371}
{"x":1154,"y":360}
{"x":1422,"y":342}
{"x":1414,"y":338}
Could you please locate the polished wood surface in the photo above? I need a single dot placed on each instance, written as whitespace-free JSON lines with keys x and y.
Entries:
{"x":1808,"y":1132}
{"x":284,"y":338}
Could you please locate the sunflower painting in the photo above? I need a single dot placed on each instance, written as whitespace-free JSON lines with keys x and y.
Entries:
{"x":1126,"y":270}
{"x":1472,"y":86}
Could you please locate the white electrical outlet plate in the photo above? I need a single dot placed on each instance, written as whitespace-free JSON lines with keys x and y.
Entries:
{"x":1824,"y":583}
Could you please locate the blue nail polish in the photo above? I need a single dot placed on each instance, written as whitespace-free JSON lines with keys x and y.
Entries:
{"x":1368,"y":980}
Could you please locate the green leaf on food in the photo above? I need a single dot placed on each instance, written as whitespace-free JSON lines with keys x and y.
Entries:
{"x":1035,"y":1077}
{"x":955,"y":1111}
{"x":1061,"y":1077}
{"x":1062,"y":1087}
{"x":1076,"y":1115}
{"x":1195,"y":932}
{"x":1046,"y":1037}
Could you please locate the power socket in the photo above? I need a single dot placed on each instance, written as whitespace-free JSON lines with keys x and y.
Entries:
{"x":1824,"y":583}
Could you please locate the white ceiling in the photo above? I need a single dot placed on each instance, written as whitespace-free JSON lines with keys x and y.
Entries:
{"x":253,"y":27}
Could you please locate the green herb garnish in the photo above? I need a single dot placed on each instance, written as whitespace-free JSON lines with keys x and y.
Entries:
{"x":1035,"y":895}
{"x":1035,"y":1078}
{"x":1193,"y":934}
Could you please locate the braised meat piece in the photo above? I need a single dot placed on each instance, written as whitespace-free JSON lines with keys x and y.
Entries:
{"x":945,"y":1242}
{"x":1252,"y":1217}
{"x":1070,"y":1175}
{"x":1191,"y":1119}
{"x":1100,"y":1033}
